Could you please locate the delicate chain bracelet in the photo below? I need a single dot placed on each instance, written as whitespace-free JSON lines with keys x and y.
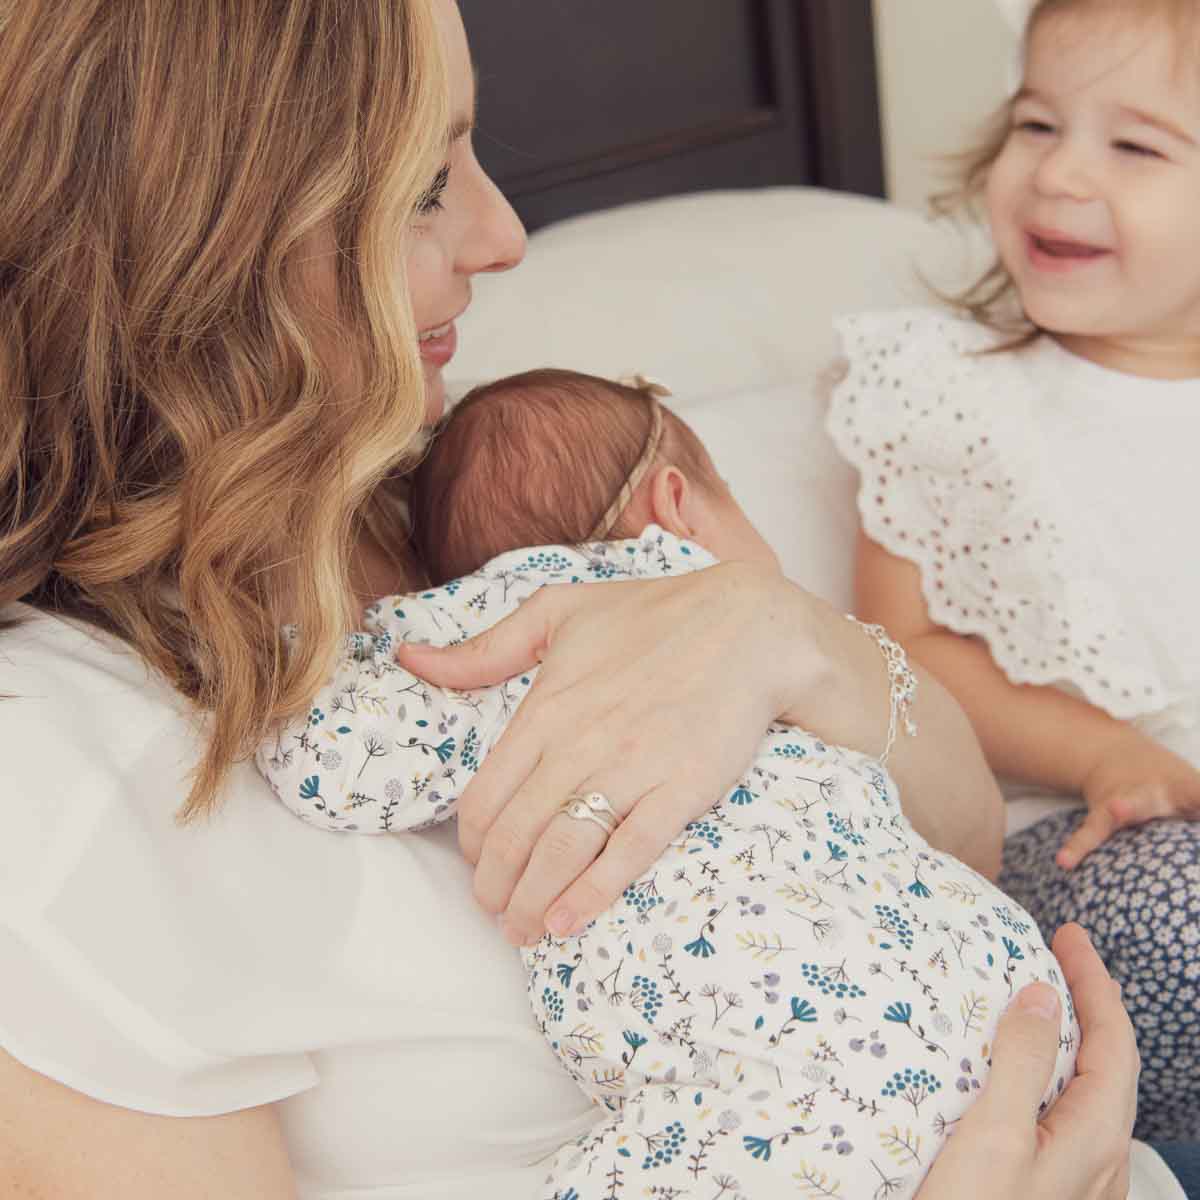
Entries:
{"x":902,"y":683}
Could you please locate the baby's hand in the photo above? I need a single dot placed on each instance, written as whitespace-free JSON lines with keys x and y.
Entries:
{"x":1134,"y":780}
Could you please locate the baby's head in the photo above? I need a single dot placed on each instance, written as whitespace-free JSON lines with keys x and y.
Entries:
{"x":554,"y":456}
{"x":1092,"y":175}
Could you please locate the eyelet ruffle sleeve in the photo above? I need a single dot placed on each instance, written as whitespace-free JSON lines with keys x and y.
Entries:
{"x":954,"y":478}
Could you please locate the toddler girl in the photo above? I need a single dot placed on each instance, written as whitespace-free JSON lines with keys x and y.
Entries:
{"x":798,"y":997}
{"x":1026,"y":479}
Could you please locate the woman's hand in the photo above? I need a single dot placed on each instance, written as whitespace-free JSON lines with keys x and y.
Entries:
{"x":657,"y":693}
{"x":654,"y":693}
{"x":1134,"y":779}
{"x":1080,"y":1149}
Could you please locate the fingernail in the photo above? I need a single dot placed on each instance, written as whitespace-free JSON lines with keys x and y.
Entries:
{"x":560,"y":921}
{"x":1041,"y":1000}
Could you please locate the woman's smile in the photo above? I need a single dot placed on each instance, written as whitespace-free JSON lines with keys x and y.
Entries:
{"x":439,"y":344}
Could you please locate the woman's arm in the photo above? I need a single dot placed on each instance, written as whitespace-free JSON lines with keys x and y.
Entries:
{"x":1036,"y":734}
{"x":947,"y":790}
{"x":55,"y":1142}
{"x":656,"y":693}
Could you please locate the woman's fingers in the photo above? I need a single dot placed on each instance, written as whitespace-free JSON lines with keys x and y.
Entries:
{"x":993,"y":1154}
{"x":507,"y":848}
{"x":511,"y":646}
{"x":638,"y":841}
{"x":1081,"y":1150}
{"x":559,"y":884}
{"x":564,"y":886}
{"x":509,"y":765}
{"x":565,"y":848}
{"x":593,"y":869}
{"x":639,"y":678}
{"x":1090,"y":1126}
{"x":514,"y":802}
{"x":1108,"y":1047}
{"x":1085,"y":972}
{"x":1024,"y":1052}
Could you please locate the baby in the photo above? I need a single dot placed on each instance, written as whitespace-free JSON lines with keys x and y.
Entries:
{"x":801,"y":992}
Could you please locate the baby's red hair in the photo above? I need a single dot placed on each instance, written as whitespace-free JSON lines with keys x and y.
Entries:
{"x":536,"y":459}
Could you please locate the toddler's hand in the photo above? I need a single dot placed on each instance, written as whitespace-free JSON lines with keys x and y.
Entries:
{"x":1134,"y":780}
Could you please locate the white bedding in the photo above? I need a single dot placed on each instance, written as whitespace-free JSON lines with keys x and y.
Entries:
{"x":729,"y":297}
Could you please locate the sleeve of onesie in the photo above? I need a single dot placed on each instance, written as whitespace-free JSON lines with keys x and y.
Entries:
{"x":380,"y":750}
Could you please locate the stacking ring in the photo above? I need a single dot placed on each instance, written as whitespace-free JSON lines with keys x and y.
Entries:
{"x":594,"y":807}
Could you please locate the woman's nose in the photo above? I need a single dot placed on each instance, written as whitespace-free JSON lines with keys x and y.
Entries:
{"x":497,"y":238}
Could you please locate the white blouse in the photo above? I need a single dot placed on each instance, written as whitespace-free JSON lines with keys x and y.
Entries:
{"x":250,"y":958}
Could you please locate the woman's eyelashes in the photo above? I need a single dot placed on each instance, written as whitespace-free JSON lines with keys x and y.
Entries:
{"x":431,"y":201}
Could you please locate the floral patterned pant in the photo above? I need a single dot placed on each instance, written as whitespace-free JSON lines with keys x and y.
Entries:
{"x":1138,"y":896}
{"x":797,"y":999}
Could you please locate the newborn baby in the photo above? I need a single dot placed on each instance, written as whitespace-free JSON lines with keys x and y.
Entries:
{"x":799,"y":996}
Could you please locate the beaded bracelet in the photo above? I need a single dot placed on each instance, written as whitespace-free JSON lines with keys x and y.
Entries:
{"x":902,"y":683}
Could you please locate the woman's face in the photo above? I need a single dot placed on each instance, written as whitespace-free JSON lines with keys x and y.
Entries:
{"x":466,"y":225}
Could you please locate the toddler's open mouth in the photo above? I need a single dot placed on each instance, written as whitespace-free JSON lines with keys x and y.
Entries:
{"x":1054,"y":249}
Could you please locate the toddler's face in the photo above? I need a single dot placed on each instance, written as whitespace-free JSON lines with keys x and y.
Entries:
{"x":1094,"y":201}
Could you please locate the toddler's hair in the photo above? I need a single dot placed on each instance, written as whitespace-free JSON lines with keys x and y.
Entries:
{"x":536,"y":459}
{"x":992,"y":298}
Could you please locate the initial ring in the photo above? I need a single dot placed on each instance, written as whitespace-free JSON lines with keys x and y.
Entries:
{"x":594,"y":807}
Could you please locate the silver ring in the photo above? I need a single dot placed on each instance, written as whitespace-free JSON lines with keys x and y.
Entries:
{"x":594,"y":807}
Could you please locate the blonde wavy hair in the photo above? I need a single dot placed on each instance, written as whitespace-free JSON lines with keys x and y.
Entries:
{"x":992,"y":298}
{"x":177,"y":466}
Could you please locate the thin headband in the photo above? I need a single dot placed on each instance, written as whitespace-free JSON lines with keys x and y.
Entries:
{"x":651,"y":390}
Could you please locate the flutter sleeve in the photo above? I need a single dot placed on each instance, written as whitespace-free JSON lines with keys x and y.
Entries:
{"x":144,"y":962}
{"x":955,"y":478}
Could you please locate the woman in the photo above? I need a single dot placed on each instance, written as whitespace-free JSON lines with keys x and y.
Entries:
{"x":234,"y":242}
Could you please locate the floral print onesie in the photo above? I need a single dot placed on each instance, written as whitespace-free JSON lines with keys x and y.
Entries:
{"x":797,"y":999}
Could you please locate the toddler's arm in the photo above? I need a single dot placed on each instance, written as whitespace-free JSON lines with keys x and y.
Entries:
{"x":379,"y":750}
{"x":1036,"y":734}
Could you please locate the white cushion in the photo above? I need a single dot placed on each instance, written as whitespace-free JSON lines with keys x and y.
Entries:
{"x":714,"y":293}
{"x":727,"y":297}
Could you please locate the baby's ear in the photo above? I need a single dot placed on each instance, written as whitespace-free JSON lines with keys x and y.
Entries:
{"x":672,"y":501}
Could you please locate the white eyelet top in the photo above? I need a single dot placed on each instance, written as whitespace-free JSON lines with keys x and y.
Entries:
{"x":1048,"y":503}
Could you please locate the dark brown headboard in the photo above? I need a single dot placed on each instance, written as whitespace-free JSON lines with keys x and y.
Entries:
{"x":584,"y":104}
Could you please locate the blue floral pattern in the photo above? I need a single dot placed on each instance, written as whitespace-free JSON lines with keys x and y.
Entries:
{"x":1138,"y":896}
{"x":779,"y":1002}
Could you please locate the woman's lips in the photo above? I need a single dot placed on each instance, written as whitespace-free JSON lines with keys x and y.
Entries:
{"x":437,"y":346}
{"x":1054,"y":252}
